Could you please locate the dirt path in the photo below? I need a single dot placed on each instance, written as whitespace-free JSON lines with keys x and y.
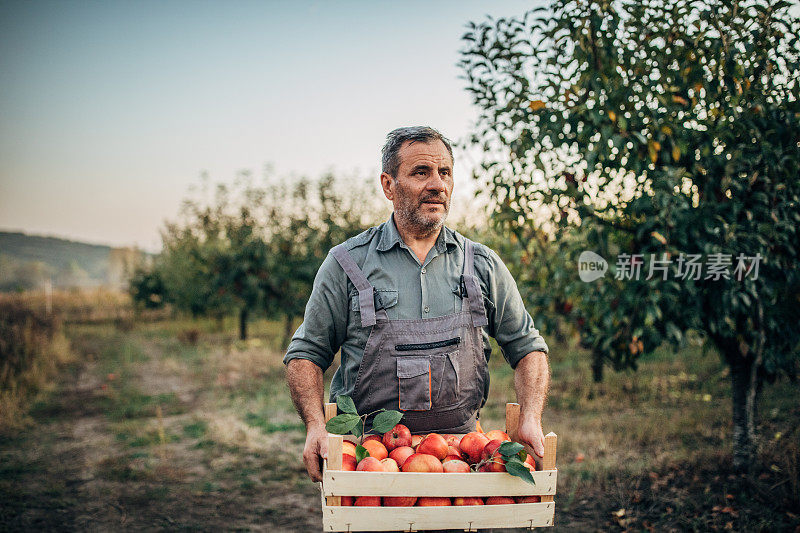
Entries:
{"x":148,"y":435}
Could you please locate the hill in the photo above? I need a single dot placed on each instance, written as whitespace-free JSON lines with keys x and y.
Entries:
{"x":28,"y":261}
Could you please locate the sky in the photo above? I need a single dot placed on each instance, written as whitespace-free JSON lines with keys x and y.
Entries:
{"x":110,"y":111}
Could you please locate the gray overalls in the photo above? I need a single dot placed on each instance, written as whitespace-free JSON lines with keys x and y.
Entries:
{"x":432,"y":369}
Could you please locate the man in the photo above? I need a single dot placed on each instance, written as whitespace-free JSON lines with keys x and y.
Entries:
{"x":411,"y":304}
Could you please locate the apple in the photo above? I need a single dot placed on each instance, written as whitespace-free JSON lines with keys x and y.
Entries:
{"x":390,"y":465}
{"x":434,"y":444}
{"x":527,"y":499}
{"x":453,"y":440}
{"x":497,"y":434}
{"x":455,"y":466}
{"x":494,"y":461}
{"x":452,"y":458}
{"x":453,"y":450}
{"x":401,"y":454}
{"x":497,"y":500}
{"x":471,"y":446}
{"x":396,"y":437}
{"x":373,"y":437}
{"x":348,"y":448}
{"x":376,"y":449}
{"x":399,"y":501}
{"x":422,"y":462}
{"x":432,"y":501}
{"x":415,"y":440}
{"x":368,"y":501}
{"x":370,"y":464}
{"x":347,"y":501}
{"x":348,"y":463}
{"x":468,"y":500}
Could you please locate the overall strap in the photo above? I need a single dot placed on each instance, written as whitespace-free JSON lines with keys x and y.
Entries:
{"x":366,"y":291}
{"x":474,"y":296}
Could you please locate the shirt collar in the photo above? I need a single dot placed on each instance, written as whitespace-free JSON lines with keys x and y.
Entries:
{"x":390,"y":236}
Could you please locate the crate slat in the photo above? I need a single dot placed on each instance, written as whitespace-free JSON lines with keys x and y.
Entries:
{"x":341,"y":483}
{"x":468,"y":517}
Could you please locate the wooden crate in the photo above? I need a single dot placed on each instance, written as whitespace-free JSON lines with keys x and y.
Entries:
{"x":337,"y":483}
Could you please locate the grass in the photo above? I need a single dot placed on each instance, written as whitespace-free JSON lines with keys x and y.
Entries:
{"x":203,"y":435}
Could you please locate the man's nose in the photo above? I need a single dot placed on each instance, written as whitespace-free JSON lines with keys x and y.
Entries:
{"x":437,"y":182}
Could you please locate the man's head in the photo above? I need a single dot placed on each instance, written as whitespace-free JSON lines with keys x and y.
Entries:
{"x":418,"y":177}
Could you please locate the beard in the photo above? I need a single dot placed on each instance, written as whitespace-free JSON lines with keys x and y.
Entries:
{"x":409,"y":210}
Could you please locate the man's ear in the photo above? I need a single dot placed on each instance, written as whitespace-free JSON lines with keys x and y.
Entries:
{"x":388,"y":183}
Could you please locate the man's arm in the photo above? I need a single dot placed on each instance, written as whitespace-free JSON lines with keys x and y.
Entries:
{"x":531,"y":381}
{"x":305,"y":385}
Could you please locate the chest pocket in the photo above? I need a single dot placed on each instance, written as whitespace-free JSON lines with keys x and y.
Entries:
{"x":384,"y":298}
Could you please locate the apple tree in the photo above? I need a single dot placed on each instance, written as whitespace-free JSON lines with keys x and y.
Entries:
{"x":667,"y":135}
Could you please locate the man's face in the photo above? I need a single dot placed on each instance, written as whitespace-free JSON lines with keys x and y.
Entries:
{"x":421,"y":193}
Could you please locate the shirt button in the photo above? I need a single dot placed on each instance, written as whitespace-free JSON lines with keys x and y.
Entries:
{"x":426,"y":309}
{"x":423,"y":270}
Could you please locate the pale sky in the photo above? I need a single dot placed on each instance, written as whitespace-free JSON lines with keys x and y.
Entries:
{"x":109,"y":111}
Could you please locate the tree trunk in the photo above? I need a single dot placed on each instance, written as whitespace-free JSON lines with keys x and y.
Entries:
{"x":744,"y":374}
{"x":243,"y":323}
{"x":597,"y":366}
{"x":288,"y":330}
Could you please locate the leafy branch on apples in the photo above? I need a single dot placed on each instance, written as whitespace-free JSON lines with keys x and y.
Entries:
{"x":350,"y":422}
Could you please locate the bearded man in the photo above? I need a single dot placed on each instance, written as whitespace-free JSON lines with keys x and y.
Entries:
{"x":411,"y":304}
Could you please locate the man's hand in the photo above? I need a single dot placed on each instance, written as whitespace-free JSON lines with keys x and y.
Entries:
{"x":530,"y":433}
{"x":531,"y":381}
{"x":315,"y":450}
{"x":305,"y":385}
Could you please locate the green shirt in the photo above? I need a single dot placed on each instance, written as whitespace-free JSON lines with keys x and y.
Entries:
{"x":408,"y":289}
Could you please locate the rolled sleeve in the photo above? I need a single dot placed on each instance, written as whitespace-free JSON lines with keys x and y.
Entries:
{"x":509,"y":322}
{"x":324,"y":325}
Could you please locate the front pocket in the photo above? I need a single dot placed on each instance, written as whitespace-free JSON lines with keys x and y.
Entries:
{"x":444,"y":368}
{"x":414,"y":379}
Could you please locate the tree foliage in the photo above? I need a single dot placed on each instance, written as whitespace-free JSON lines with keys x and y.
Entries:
{"x":665,"y":130}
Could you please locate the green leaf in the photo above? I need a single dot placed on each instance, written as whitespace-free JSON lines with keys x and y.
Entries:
{"x":508,"y":448}
{"x":342,"y":424}
{"x":386,"y":420}
{"x":357,"y":431}
{"x":361,"y":452}
{"x":515,"y":467}
{"x":346,"y":405}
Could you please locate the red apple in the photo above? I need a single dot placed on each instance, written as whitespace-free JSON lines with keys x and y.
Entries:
{"x":453,"y":440}
{"x":348,"y":448}
{"x":422,"y":462}
{"x":399,"y":501}
{"x":370,"y":464}
{"x":415,"y":440}
{"x":373,"y":437}
{"x":401,"y":454}
{"x":499,"y":500}
{"x":527,"y":499}
{"x":469,"y":500}
{"x":396,"y":437}
{"x":390,"y":465}
{"x":347,"y":501}
{"x":434,"y":444}
{"x":497,"y":434}
{"x":376,"y":449}
{"x":348,"y":463}
{"x":455,"y":466}
{"x":471,"y":446}
{"x":432,"y":501}
{"x":453,"y":450}
{"x":495,"y":461}
{"x":368,"y":501}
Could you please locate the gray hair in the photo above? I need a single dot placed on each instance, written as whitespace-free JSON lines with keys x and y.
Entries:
{"x":396,"y":139}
